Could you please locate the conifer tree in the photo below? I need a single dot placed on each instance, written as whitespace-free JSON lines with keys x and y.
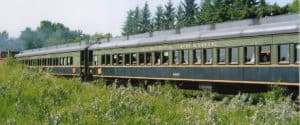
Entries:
{"x":145,"y":19}
{"x":169,"y":16}
{"x":190,"y":9}
{"x":159,"y":19}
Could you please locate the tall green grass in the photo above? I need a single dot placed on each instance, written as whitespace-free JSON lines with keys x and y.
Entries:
{"x":35,"y":97}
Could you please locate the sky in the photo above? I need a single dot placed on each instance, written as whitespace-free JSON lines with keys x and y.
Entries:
{"x":90,"y":16}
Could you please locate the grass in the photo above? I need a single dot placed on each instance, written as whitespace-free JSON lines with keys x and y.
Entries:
{"x":35,"y":97}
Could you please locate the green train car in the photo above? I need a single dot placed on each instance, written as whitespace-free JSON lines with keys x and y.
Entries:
{"x":66,"y":60}
{"x":252,"y":51}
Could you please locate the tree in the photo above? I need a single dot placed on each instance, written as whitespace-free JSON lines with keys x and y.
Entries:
{"x":145,"y":19}
{"x":128,"y":27}
{"x":137,"y":21}
{"x":30,"y":39}
{"x":159,"y":19}
{"x":190,"y":9}
{"x":4,"y":35}
{"x":169,"y":16}
{"x":294,"y":7}
{"x":99,"y":36}
{"x":180,"y":17}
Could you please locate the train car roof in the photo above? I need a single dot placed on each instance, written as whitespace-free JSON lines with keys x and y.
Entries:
{"x":54,"y":49}
{"x":249,"y":27}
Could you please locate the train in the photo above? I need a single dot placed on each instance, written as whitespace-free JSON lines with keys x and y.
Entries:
{"x":261,"y":51}
{"x":7,"y":53}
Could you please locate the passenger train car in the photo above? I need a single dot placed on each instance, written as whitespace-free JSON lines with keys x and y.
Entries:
{"x":252,"y":51}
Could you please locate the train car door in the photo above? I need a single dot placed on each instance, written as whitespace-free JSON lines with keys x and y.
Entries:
{"x":86,"y":59}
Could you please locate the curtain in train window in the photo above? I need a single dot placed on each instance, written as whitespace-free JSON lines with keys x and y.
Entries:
{"x":284,"y":53}
{"x":141,"y":58}
{"x":95,"y":60}
{"x":176,"y":55}
{"x":265,"y":54}
{"x":185,"y":57}
{"x":68,"y":60}
{"x":249,"y":55}
{"x":197,"y":54}
{"x":157,"y":58}
{"x":133,"y":58}
{"x":208,"y":56}
{"x":297,"y":53}
{"x":107,"y":59}
{"x":166,"y":57}
{"x":120,"y":59}
{"x":234,"y":55}
{"x":221,"y":56}
{"x":127,"y":59}
{"x":148,"y":58}
{"x":65,"y":61}
{"x":115,"y":59}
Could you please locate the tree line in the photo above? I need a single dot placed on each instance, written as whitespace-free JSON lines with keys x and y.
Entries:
{"x":189,"y":13}
{"x":46,"y":34}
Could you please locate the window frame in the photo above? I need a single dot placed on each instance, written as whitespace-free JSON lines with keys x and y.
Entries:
{"x":173,"y":57}
{"x":195,"y":56}
{"x":245,"y":56}
{"x":230,"y":55}
{"x":131,"y":59}
{"x":205,"y":55}
{"x":279,"y":54}
{"x":183,"y":57}
{"x":167,"y":62}
{"x":259,"y":54}
{"x":218,"y":56}
{"x":297,"y":62}
{"x":143,"y":59}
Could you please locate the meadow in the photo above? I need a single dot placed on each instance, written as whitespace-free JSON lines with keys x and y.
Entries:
{"x":34,"y":97}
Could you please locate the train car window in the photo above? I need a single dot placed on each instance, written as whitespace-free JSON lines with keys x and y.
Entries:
{"x":297,"y":53}
{"x":44,"y":61}
{"x":38,"y":62}
{"x":115,"y":59}
{"x":141,"y":58}
{"x":61,"y":61}
{"x":133,"y":58}
{"x":57,"y":61}
{"x":157,"y":58}
{"x":68,"y":61}
{"x":233,"y":55}
{"x":221,"y":56}
{"x":208,"y":59}
{"x":51,"y":61}
{"x":185,"y":57}
{"x":197,"y":54}
{"x":71,"y":60}
{"x":249,"y":55}
{"x":95,"y":60}
{"x":283,"y":54}
{"x":107,"y":60}
{"x":65,"y":61}
{"x":120,"y":59}
{"x":165,"y":57}
{"x":127,"y":59}
{"x":103,"y":60}
{"x":264,"y":54}
{"x":176,"y":56}
{"x":148,"y":58}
